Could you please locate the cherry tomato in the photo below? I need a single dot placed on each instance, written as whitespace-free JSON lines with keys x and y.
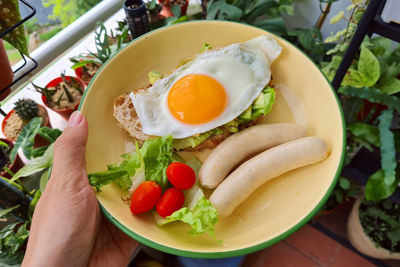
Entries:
{"x":145,"y":197}
{"x":172,"y":200}
{"x":181,"y":175}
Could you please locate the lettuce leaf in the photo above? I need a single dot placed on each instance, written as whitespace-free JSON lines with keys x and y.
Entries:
{"x":202,"y":218}
{"x":154,"y":157}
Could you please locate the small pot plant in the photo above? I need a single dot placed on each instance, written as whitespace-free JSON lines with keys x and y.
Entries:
{"x":9,"y":16}
{"x":63,"y":94}
{"x":86,"y":65}
{"x":23,"y":112}
{"x":345,"y":191}
{"x":9,"y":166}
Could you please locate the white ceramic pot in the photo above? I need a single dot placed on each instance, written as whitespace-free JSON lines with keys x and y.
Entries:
{"x":361,"y":241}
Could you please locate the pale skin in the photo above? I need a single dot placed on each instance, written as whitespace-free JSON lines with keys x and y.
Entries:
{"x":67,"y":226}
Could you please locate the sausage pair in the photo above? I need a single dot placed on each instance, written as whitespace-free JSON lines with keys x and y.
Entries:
{"x":285,"y":148}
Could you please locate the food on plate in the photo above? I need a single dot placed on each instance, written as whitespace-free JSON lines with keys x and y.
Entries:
{"x":145,"y":197}
{"x":207,"y":98}
{"x":263,"y":167}
{"x":144,"y":167}
{"x":171,"y":201}
{"x":240,"y":146}
{"x":215,"y":94}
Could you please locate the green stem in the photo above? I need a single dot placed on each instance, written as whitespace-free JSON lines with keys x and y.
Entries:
{"x":20,"y":187}
{"x":68,"y":93}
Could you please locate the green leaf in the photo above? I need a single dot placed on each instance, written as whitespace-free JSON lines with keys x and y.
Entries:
{"x":366,"y":132}
{"x":220,"y":10}
{"x":38,"y":152}
{"x":389,"y":85}
{"x":176,"y":10}
{"x":100,"y":179}
{"x":202,"y":218}
{"x":194,"y":141}
{"x":157,"y":155}
{"x":344,"y":183}
{"x":388,"y":151}
{"x":37,"y":164}
{"x":9,"y":16}
{"x":33,"y":203}
{"x":102,"y":43}
{"x":275,"y":25}
{"x":372,"y":95}
{"x":205,"y":47}
{"x":376,"y":188}
{"x":49,"y":134}
{"x":7,"y":211}
{"x":259,"y":9}
{"x":26,"y":138}
{"x":338,"y":17}
{"x":44,"y":178}
{"x":367,"y":72}
{"x":12,"y":238}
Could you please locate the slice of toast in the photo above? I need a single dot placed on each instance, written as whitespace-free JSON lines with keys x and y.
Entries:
{"x":125,"y":114}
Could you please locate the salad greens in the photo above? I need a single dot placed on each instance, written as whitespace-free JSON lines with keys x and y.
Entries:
{"x":155,"y":155}
{"x":150,"y":163}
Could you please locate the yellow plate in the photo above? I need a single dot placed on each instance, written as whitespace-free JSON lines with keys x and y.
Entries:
{"x":275,"y":210}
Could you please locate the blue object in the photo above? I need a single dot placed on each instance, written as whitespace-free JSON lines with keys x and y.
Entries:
{"x":227,"y":262}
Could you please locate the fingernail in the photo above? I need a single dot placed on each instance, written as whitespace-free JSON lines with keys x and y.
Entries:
{"x":75,"y":119}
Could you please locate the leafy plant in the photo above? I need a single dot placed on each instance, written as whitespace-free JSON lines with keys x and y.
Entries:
{"x":381,"y":222}
{"x":12,"y":238}
{"x":265,"y":14}
{"x":344,"y":191}
{"x":9,"y":16}
{"x":105,"y":48}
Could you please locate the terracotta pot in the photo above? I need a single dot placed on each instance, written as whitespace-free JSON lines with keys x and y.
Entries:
{"x":16,"y":165}
{"x":361,"y":241}
{"x":166,"y":8}
{"x":78,"y":73}
{"x":6,"y":73}
{"x":65,"y":113}
{"x":39,"y":141}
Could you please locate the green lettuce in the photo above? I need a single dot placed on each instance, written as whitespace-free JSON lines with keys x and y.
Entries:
{"x":154,"y":156}
{"x":202,"y":218}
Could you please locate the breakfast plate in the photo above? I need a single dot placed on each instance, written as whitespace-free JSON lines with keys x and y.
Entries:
{"x":276,"y":209}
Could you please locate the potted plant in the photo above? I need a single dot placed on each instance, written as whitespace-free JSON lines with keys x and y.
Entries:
{"x":345,"y":191}
{"x":10,"y":167}
{"x":374,"y":229}
{"x":6,"y":73}
{"x":63,"y":94}
{"x":86,"y":65}
{"x":167,"y":4}
{"x":23,"y":111}
{"x":9,"y":16}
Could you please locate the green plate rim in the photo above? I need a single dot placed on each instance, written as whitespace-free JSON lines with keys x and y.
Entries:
{"x":243,"y":251}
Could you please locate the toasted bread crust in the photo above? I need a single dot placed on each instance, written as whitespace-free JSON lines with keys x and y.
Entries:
{"x":125,"y":114}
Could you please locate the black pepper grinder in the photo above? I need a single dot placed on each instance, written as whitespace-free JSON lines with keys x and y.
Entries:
{"x":136,"y":15}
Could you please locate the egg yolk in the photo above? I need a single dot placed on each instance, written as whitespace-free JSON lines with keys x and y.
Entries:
{"x":196,"y":99}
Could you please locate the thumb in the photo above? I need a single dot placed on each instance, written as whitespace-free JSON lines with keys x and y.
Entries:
{"x":69,"y":151}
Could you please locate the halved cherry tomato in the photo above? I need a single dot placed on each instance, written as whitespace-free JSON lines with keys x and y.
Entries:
{"x":172,"y":200}
{"x":181,"y":175}
{"x":145,"y":197}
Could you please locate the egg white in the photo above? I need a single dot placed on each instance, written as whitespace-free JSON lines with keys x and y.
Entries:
{"x":243,"y":69}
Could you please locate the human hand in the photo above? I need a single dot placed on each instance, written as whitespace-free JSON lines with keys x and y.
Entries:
{"x":67,"y":226}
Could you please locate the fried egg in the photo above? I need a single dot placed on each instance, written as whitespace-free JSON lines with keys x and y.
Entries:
{"x":210,"y":90}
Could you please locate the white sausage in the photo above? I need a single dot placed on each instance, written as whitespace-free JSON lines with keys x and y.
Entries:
{"x":240,"y":146}
{"x":263,"y":167}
